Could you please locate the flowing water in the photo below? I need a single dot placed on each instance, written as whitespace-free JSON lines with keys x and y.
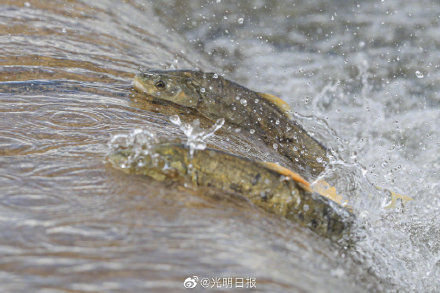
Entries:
{"x":362,"y":76}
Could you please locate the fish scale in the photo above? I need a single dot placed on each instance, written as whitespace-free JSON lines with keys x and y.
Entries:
{"x":216,"y":97}
{"x":281,"y":193}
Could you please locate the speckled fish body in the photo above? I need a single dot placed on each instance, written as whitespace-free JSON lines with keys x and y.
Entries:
{"x":264,"y":186}
{"x":263,"y":115}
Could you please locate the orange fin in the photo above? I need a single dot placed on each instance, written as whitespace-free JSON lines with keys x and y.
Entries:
{"x":394,"y":197}
{"x":326,"y":190}
{"x":288,"y":173}
{"x":279,"y":103}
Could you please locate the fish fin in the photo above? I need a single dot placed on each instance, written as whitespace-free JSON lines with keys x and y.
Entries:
{"x":288,"y":173}
{"x":394,"y":197}
{"x":279,"y":103}
{"x":323,"y":188}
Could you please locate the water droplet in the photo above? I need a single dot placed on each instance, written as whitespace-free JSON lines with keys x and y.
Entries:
{"x":196,"y":136}
{"x":243,"y":102}
{"x":140,"y":142}
{"x":215,"y":75}
{"x":252,"y":131}
{"x":175,"y":120}
{"x":419,"y":74}
{"x":240,"y":20}
{"x":275,"y":146}
{"x":202,"y":90}
{"x":319,"y":159}
{"x":364,"y":172}
{"x":363,"y":214}
{"x":277,"y":122}
{"x":338,"y":273}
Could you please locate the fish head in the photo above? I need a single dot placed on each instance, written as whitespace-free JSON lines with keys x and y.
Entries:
{"x":181,"y":87}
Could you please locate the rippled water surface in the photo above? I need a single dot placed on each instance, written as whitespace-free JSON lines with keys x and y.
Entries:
{"x":362,"y":76}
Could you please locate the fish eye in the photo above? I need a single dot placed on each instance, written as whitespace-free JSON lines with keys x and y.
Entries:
{"x":160,"y":84}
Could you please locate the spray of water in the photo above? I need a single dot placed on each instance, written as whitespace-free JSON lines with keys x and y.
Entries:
{"x":140,"y":143}
{"x":196,"y":136}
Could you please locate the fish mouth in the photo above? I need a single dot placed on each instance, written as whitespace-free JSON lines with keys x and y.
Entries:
{"x":138,"y":85}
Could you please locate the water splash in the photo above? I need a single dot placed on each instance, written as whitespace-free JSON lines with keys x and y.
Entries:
{"x":139,"y":141}
{"x":196,"y":136}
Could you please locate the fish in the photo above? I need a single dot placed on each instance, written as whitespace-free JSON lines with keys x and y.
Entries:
{"x":271,"y":187}
{"x":265,"y":116}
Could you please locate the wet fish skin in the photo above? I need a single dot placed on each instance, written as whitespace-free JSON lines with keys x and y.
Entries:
{"x":253,"y":180}
{"x":216,"y":97}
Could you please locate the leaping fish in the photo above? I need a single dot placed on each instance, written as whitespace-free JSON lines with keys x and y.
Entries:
{"x":265,"y":115}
